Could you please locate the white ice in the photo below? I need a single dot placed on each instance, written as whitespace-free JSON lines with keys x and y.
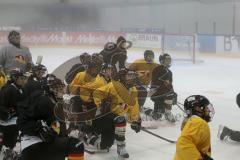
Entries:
{"x":216,"y":78}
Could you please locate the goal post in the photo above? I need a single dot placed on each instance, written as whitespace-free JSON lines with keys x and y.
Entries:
{"x":180,"y":47}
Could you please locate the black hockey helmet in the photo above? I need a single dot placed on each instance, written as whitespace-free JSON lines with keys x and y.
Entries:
{"x":54,"y":85}
{"x":110,"y":47}
{"x":165,"y":60}
{"x":17,"y":73}
{"x":97,"y":58}
{"x":122,"y":43}
{"x":198,"y":105}
{"x":148,"y":52}
{"x":127,"y":76}
{"x":39,"y":67}
{"x":121,"y":39}
{"x":85,"y":58}
{"x":238,"y":100}
{"x":39,"y":71}
{"x":148,"y":56}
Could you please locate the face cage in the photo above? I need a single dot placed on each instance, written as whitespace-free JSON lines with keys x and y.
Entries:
{"x":130,"y":79}
{"x":167,"y":62}
{"x":149,"y":58}
{"x":210,"y":110}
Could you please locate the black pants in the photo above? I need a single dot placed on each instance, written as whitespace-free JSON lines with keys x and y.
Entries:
{"x":142,"y":94}
{"x":160,"y":105}
{"x":10,"y":135}
{"x":105,"y":126}
{"x":61,"y":148}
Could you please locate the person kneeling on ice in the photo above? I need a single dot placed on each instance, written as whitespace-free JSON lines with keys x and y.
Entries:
{"x":194,"y":142}
{"x":39,"y":129}
{"x":164,"y":96}
{"x":225,"y":132}
{"x":116,"y":101}
{"x":10,"y":95}
{"x":144,"y":68}
{"x":85,"y":59}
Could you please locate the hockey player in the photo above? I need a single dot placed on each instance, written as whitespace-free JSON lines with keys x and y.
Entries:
{"x":38,"y":139}
{"x":36,"y":80}
{"x":10,"y":95}
{"x":164,"y":96}
{"x":224,"y":132}
{"x":115,"y":100}
{"x":85,"y":58}
{"x":194,"y":142}
{"x":15,"y":55}
{"x":3,"y":78}
{"x":83,"y":84}
{"x":116,"y":52}
{"x":144,"y":68}
{"x":81,"y":89}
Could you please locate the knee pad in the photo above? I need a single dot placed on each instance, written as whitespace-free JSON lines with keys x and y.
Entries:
{"x":120,"y":128}
{"x":119,"y":121}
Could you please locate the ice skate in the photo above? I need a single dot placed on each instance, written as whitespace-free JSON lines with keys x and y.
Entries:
{"x":122,"y":153}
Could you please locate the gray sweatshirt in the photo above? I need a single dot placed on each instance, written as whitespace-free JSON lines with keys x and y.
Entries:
{"x":12,"y":57}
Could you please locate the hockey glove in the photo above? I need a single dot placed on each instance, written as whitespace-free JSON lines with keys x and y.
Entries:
{"x":206,"y":157}
{"x":136,"y":126}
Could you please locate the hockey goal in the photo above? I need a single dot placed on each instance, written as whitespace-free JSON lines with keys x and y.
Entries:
{"x":180,"y":47}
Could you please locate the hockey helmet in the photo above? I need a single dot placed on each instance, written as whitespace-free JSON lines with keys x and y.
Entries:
{"x":165,"y":60}
{"x":238,"y":100}
{"x":199,"y":105}
{"x":85,"y":58}
{"x":149,"y":55}
{"x":127,"y":76}
{"x":17,"y":73}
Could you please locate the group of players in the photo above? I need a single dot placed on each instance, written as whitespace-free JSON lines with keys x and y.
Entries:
{"x":100,"y":95}
{"x":97,"y":92}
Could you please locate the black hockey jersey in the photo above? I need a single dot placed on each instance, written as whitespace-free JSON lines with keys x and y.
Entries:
{"x":162,"y":80}
{"x":10,"y":96}
{"x":38,"y":106}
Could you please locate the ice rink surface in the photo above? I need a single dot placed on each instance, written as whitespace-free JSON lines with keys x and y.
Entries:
{"x":217,"y":78}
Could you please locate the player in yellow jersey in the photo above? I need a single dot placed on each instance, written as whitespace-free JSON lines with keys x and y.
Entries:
{"x":144,"y":68}
{"x":194,"y":142}
{"x":118,"y":103}
{"x":81,"y":89}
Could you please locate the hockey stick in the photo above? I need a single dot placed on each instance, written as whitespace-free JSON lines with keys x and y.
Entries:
{"x":149,"y":132}
{"x":39,"y":59}
{"x":178,"y":104}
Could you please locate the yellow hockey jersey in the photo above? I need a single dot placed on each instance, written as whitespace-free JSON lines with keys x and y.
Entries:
{"x":84,"y":85}
{"x":3,"y":81}
{"x":122,"y":100}
{"x":144,"y":70}
{"x":194,"y":140}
